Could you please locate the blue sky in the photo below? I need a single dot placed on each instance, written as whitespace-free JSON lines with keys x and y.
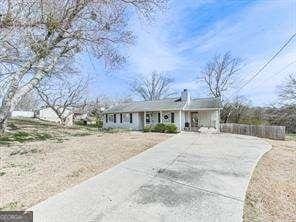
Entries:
{"x":183,"y":38}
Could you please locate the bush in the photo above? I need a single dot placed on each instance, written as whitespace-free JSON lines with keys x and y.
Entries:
{"x":147,"y":129}
{"x":171,"y":128}
{"x":161,"y":128}
{"x":80,"y":122}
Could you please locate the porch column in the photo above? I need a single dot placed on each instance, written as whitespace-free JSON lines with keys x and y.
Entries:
{"x":144,"y":118}
{"x":180,"y":120}
{"x":189,"y":118}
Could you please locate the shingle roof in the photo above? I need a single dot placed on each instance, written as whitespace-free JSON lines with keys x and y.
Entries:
{"x":205,"y":103}
{"x":164,"y":105}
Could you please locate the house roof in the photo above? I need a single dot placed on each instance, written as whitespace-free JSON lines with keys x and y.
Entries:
{"x":205,"y":103}
{"x":165,"y":105}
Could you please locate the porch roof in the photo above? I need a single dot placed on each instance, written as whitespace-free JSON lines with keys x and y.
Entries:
{"x":164,"y":105}
{"x":206,"y":103}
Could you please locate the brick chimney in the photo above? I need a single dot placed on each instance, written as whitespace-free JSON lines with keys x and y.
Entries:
{"x":185,"y":96}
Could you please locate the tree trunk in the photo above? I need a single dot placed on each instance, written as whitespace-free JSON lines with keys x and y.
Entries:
{"x":63,"y":121}
{"x":3,"y":125}
{"x":8,"y":103}
{"x":15,"y":92}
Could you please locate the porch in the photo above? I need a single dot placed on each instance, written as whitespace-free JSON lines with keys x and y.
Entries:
{"x":166,"y":117}
{"x":196,"y":119}
{"x":188,"y":120}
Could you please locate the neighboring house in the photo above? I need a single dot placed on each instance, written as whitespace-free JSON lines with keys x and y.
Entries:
{"x":184,"y":112}
{"x":22,"y":113}
{"x":46,"y":113}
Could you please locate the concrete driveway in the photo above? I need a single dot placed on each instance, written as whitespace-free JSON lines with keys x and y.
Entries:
{"x":189,"y":177}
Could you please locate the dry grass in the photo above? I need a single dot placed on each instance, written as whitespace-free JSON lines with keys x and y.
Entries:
{"x":271,"y":194}
{"x":33,"y":171}
{"x":28,"y":129}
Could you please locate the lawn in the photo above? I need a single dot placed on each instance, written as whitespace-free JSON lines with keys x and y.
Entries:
{"x":271,"y":194}
{"x":34,"y":168}
{"x":28,"y":129}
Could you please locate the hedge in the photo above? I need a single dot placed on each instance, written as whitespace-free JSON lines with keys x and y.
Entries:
{"x":161,"y":128}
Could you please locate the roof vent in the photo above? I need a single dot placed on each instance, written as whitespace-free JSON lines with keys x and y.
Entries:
{"x":185,"y":96}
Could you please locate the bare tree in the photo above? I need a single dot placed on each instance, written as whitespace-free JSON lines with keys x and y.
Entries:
{"x":287,"y":93}
{"x":154,"y":87}
{"x":63,"y":96}
{"x":240,"y":108}
{"x":30,"y":102}
{"x":219,"y":74}
{"x":36,"y":36}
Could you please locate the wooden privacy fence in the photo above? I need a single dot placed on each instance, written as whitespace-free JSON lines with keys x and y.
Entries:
{"x":271,"y":132}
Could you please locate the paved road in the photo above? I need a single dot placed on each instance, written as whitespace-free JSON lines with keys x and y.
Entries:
{"x":189,"y":177}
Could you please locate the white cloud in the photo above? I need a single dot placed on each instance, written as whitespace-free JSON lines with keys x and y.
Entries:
{"x":155,"y":48}
{"x":152,"y":50}
{"x":253,"y":32}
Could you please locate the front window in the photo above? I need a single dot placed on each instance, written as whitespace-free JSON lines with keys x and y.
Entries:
{"x":114,"y":118}
{"x":131,"y":118}
{"x":111,"y":118}
{"x":148,"y":118}
{"x":172,"y":117}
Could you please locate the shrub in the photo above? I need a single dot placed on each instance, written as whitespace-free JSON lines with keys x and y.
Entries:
{"x":147,"y":129}
{"x":81,"y":122}
{"x":161,"y":128}
{"x":171,"y":128}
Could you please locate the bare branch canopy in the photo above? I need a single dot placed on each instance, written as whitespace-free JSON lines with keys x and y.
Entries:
{"x":37,"y":36}
{"x":155,"y":86}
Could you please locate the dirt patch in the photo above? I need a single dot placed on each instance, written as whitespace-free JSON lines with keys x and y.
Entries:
{"x":271,"y":194}
{"x":33,"y":171}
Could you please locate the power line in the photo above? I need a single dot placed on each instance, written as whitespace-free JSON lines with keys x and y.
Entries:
{"x":279,"y":71}
{"x":266,"y":64}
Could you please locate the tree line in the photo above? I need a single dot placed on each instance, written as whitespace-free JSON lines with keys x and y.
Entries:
{"x":41,"y":40}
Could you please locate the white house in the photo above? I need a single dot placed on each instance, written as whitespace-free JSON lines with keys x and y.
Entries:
{"x":22,"y":113}
{"x":46,"y":113}
{"x":184,"y":112}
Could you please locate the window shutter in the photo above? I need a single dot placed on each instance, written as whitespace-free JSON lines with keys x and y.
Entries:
{"x":114,"y":118}
{"x":158,"y":117}
{"x":172,"y":117}
{"x":106,"y":118}
{"x":131,"y":118}
{"x":120,"y":117}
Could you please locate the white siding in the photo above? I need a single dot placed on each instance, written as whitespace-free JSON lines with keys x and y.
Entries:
{"x":28,"y":114}
{"x":207,"y":118}
{"x":154,"y":118}
{"x":49,"y":115}
{"x":135,"y":125}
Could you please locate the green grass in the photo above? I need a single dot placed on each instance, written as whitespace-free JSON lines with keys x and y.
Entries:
{"x":28,"y":129}
{"x":30,"y":122}
{"x":22,"y":137}
{"x":12,"y":206}
{"x":81,"y":134}
{"x":291,"y":136}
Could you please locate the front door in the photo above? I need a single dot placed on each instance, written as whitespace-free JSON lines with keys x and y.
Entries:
{"x":194,"y":119}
